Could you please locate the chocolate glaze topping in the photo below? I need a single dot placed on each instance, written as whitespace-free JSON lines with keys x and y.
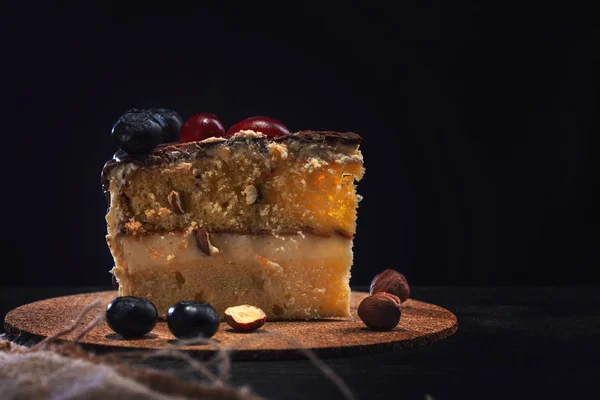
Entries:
{"x":173,"y":152}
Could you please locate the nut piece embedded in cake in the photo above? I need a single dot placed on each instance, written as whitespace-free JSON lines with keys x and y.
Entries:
{"x":175,"y":201}
{"x":204,"y":244}
{"x":245,"y":318}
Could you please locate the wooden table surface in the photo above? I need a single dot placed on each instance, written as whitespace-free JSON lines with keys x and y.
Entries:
{"x":513,"y":342}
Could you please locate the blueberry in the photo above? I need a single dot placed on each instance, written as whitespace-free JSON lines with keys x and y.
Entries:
{"x":130,"y":316}
{"x":138,"y":131}
{"x":174,"y":122}
{"x":189,"y":319}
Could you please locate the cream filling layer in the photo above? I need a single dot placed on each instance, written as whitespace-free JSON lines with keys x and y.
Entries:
{"x":141,"y":253}
{"x":290,"y":276}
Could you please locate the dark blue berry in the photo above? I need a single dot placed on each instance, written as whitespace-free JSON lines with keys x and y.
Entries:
{"x":138,"y":131}
{"x":174,"y":122}
{"x":189,"y":319}
{"x":130,"y":316}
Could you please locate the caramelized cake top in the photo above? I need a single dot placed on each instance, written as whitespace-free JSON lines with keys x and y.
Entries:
{"x":173,"y":152}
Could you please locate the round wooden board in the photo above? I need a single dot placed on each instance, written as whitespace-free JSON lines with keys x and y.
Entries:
{"x":421,"y":323}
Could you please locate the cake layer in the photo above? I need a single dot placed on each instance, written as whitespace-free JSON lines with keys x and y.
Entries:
{"x":246,"y":184}
{"x":299,"y":276}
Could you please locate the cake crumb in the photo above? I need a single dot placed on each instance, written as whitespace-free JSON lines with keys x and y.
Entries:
{"x":282,"y":150}
{"x":264,"y":211}
{"x":163,"y":212}
{"x":272,"y":265}
{"x":150,"y":214}
{"x":134,"y":227}
{"x":314,"y":164}
{"x":170,"y":257}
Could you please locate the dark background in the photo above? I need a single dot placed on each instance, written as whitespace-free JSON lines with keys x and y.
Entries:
{"x":478,"y":123}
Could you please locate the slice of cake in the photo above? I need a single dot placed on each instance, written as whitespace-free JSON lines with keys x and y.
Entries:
{"x":251,"y":219}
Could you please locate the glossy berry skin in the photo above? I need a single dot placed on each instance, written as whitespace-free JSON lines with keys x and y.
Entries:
{"x":138,"y":131}
{"x":200,"y":127}
{"x":189,"y":319}
{"x":131,"y":317}
{"x":266,"y":125}
{"x":174,"y":122}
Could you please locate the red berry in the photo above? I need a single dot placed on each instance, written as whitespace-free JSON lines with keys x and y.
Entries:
{"x":266,"y":125}
{"x":200,"y":127}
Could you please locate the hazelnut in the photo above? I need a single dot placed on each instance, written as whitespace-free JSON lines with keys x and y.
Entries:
{"x":252,"y":194}
{"x":380,"y":311}
{"x":175,"y":201}
{"x":391,"y":281}
{"x":204,"y":244}
{"x":245,"y":318}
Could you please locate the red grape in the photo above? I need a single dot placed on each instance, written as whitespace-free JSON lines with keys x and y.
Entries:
{"x":266,"y":125}
{"x":200,"y":127}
